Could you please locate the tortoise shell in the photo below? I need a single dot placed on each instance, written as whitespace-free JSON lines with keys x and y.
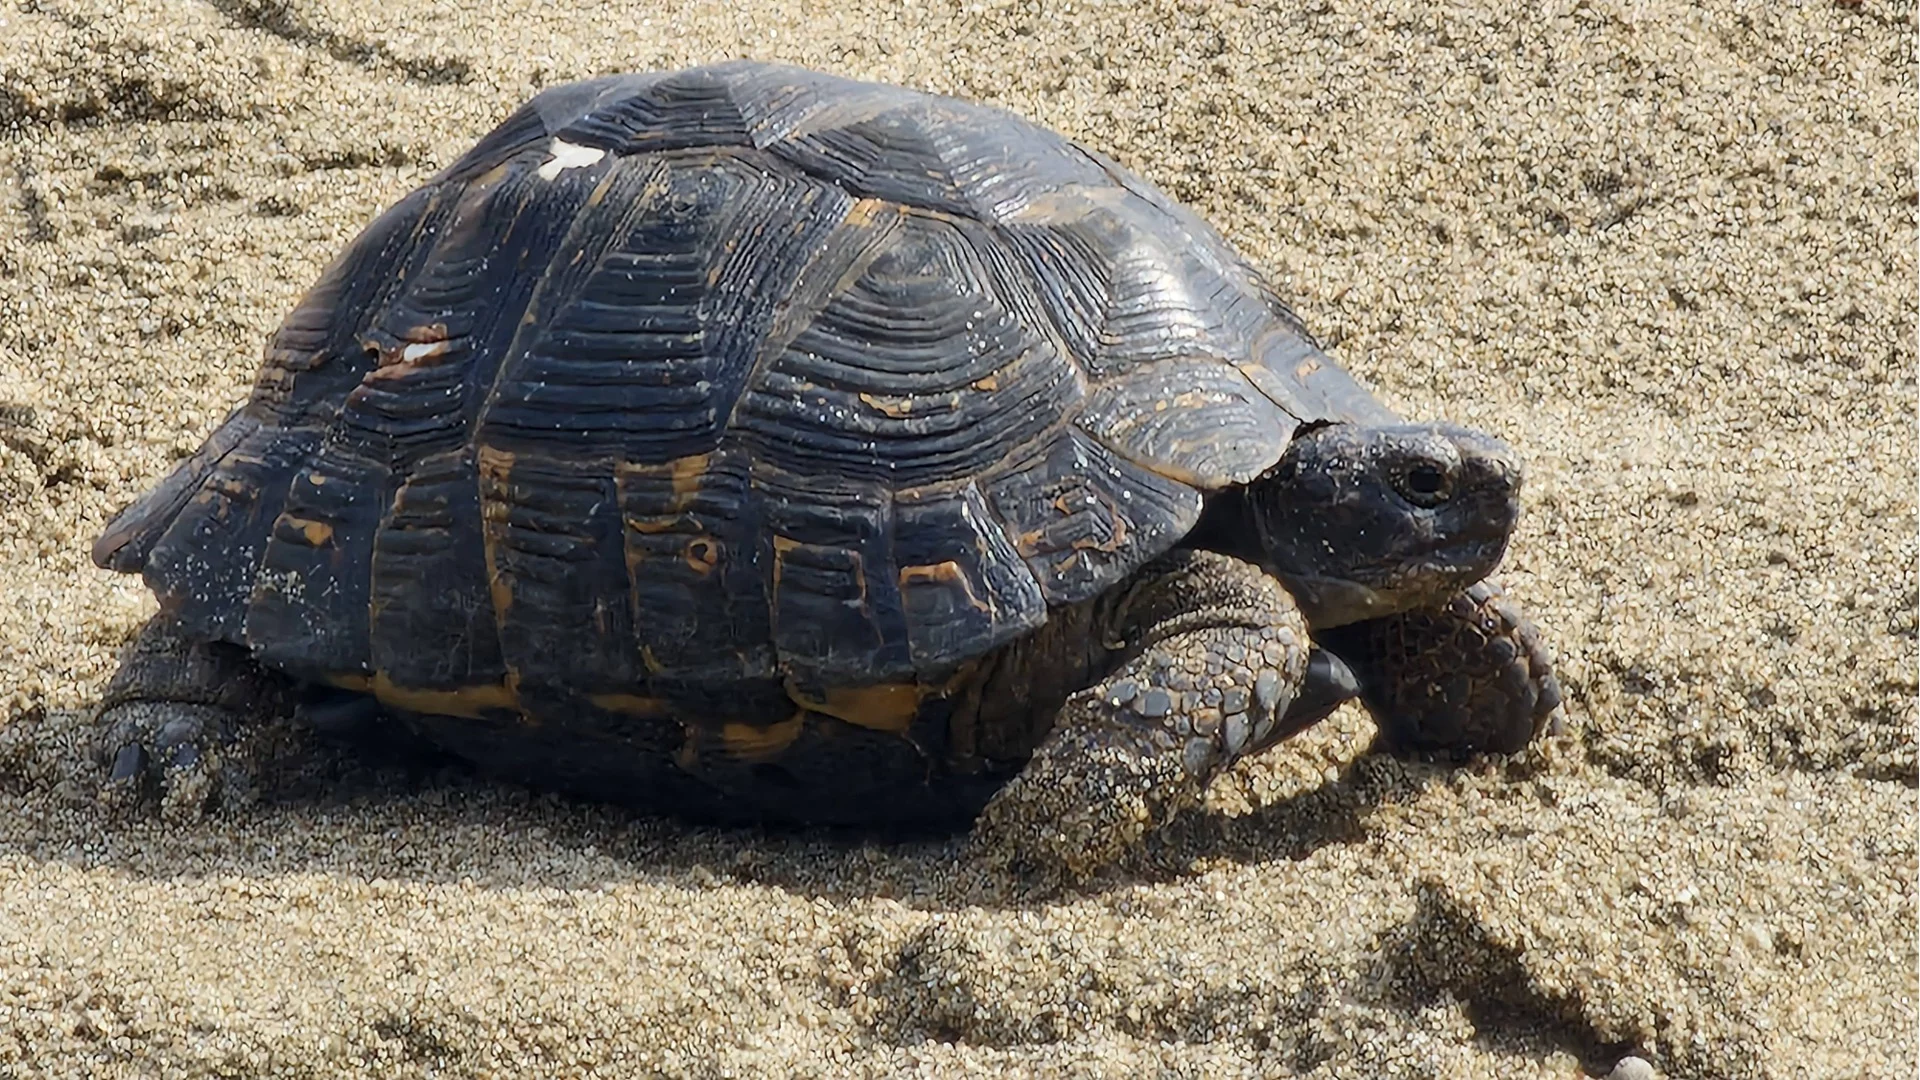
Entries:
{"x":678,"y":385}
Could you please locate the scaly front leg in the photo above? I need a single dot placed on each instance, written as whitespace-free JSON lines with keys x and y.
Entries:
{"x":1216,"y":652}
{"x":1472,"y":676}
{"x":171,"y":714}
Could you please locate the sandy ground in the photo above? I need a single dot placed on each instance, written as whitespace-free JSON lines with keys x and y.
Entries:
{"x":1668,"y":250}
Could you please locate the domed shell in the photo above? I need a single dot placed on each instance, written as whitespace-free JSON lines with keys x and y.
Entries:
{"x":736,"y":373}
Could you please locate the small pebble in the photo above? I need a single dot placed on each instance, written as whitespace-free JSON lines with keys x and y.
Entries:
{"x":1266,"y":690}
{"x":1154,"y":704}
{"x":1632,"y":1068}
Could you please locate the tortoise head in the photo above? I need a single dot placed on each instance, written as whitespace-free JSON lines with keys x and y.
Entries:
{"x":1361,"y":521}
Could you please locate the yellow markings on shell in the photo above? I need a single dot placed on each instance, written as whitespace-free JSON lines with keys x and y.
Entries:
{"x":485,"y":180}
{"x":897,"y":407}
{"x":761,"y":742}
{"x":883,"y":707}
{"x":686,"y":473}
{"x":987,"y":383}
{"x":1114,"y":544}
{"x":683,"y":476}
{"x":595,"y":198}
{"x":231,"y":486}
{"x":631,"y":704}
{"x":495,"y":466}
{"x":470,"y":702}
{"x":317,"y":533}
{"x":701,"y":553}
{"x":944,"y":573}
{"x":781,"y":545}
{"x":566,"y":155}
{"x":865,"y":212}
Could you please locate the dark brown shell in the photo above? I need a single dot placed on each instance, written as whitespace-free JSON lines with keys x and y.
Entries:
{"x":736,"y":376}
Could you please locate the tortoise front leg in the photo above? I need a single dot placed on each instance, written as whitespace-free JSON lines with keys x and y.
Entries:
{"x":1216,"y":653}
{"x":172,"y":712}
{"x":1473,"y":676}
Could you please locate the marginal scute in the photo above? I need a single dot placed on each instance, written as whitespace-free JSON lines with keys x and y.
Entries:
{"x":430,"y":581}
{"x":692,"y":534}
{"x":964,"y":587}
{"x":1292,"y":372}
{"x":1199,"y":422}
{"x":836,"y":604}
{"x":1083,"y":518}
{"x":555,"y":558}
{"x":201,"y":567}
{"x":124,"y":544}
{"x":309,"y":608}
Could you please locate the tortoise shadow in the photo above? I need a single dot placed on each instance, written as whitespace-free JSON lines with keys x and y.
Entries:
{"x":331,"y":807}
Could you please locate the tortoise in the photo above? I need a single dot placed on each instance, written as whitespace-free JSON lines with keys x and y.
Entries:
{"x":757,"y":444}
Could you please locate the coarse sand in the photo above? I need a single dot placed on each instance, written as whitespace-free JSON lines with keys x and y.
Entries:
{"x":1667,"y":249}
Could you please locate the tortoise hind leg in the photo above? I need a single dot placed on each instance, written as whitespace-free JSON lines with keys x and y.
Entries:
{"x":1473,"y":676}
{"x":1218,"y":653}
{"x":171,"y":715}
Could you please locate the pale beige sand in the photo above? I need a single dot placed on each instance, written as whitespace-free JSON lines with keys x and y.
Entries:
{"x":1669,"y":250}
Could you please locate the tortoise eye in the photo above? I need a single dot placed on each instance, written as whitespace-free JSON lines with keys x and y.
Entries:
{"x":1425,"y":485}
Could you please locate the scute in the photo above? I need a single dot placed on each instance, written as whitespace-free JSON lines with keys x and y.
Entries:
{"x":556,"y":561}
{"x":1083,"y":518}
{"x":838,"y":618}
{"x":919,"y":371}
{"x":699,"y":588}
{"x":644,"y":338}
{"x":963,"y":585}
{"x":1200,"y":422}
{"x":666,"y":112}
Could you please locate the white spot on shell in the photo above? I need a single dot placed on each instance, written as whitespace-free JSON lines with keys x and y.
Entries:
{"x":568,"y":155}
{"x":423,"y":349}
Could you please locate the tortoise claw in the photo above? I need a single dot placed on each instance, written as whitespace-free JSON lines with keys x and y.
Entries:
{"x":165,"y":748}
{"x":129,"y":762}
{"x":1329,"y":683}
